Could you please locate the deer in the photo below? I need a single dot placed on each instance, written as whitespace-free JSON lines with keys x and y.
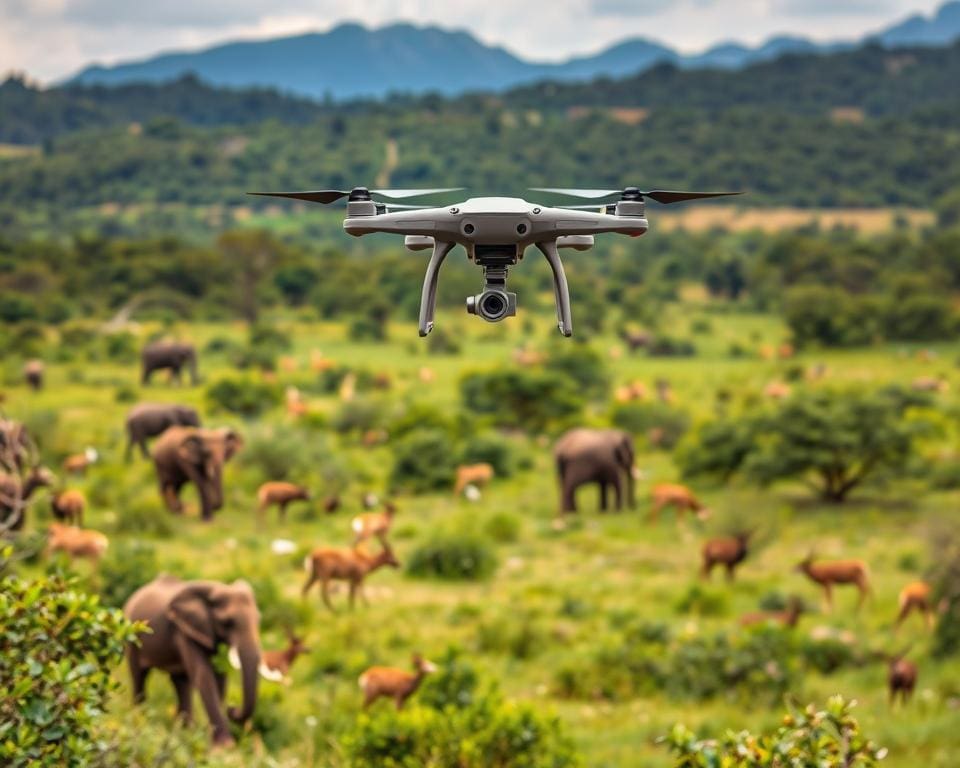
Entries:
{"x":77,"y":463}
{"x":326,"y":564}
{"x":472,"y":474}
{"x":280,"y":493}
{"x":728,"y":551}
{"x":678,"y":496}
{"x":331,"y":504}
{"x":69,"y":505}
{"x":901,"y":677}
{"x":390,"y":682}
{"x":76,"y":542}
{"x":372,"y":524}
{"x":917,"y":596}
{"x":830,"y":572}
{"x":777,"y":390}
{"x":275,"y":664}
{"x":786,"y":618}
{"x":33,"y":374}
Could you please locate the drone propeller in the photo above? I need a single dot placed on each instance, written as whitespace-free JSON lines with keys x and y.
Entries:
{"x":327,"y":196}
{"x":633,"y":193}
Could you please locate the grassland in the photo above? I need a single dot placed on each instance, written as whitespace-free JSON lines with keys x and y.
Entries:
{"x":564,"y":588}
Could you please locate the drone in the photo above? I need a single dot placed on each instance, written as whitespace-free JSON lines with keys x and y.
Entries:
{"x":495,"y":232}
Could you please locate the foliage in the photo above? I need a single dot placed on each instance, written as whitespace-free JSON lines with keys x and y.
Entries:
{"x":127,"y":566}
{"x":243,"y":396}
{"x":424,"y":460}
{"x":945,"y":546}
{"x":530,"y":400}
{"x":453,"y":556}
{"x":829,"y":738}
{"x":358,"y":415}
{"x":284,"y":452}
{"x":56,"y":653}
{"x":583,"y":366}
{"x":661,"y":424}
{"x":492,"y":449}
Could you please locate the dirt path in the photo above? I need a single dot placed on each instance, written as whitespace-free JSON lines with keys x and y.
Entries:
{"x":389,"y":164}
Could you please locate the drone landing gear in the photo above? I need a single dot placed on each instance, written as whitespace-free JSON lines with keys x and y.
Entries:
{"x":428,"y":297}
{"x":561,"y":293}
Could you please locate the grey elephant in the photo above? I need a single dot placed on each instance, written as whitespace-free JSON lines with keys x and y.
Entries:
{"x":147,"y":420}
{"x":169,"y":355}
{"x":192,"y":455}
{"x":189,"y":621}
{"x":601,"y":456}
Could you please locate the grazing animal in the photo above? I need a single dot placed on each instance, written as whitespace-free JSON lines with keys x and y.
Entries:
{"x":331,"y":504}
{"x":635,"y":339}
{"x":830,"y":572}
{"x":777,"y":390}
{"x":78,"y":462}
{"x":787,"y":618}
{"x":631,"y":392}
{"x":146,"y":420}
{"x":901,"y":678}
{"x":326,"y":564}
{"x":296,"y":407}
{"x":526,"y":357}
{"x":393,"y":683}
{"x":679,"y":497}
{"x":280,"y":493}
{"x":372,"y":524}
{"x":33,"y":374}
{"x":915,"y":596}
{"x":728,"y":551}
{"x":275,"y":664}
{"x":169,"y":355}
{"x":16,"y":492}
{"x":472,"y":474}
{"x":69,"y":506}
{"x":603,"y":457}
{"x":426,"y":375}
{"x":76,"y":542}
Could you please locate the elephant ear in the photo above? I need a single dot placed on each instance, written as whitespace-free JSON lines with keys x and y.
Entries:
{"x":191,"y":450}
{"x":232,"y":442}
{"x":623,"y":451}
{"x":190,"y":611}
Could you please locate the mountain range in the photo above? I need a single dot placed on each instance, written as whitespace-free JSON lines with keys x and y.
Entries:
{"x":352,"y":61}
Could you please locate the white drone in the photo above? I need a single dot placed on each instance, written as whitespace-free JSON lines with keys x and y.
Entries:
{"x":495,"y":232}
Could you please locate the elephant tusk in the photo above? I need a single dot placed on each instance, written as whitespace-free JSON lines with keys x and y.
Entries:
{"x":234,"y":656}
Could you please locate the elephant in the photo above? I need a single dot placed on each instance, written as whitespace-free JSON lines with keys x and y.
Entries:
{"x":172,"y":355}
{"x":188,"y":621}
{"x":602,"y":456}
{"x":192,"y":455}
{"x":151,"y":419}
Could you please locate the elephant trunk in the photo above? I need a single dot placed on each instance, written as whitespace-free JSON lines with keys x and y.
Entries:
{"x":249,"y":653}
{"x":211,"y":492}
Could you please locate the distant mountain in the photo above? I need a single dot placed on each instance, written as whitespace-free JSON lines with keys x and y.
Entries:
{"x":352,"y":61}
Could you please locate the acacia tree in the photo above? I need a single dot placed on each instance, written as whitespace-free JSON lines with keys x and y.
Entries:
{"x":253,"y":254}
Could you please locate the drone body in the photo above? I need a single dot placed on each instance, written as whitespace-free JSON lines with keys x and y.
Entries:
{"x":495,"y":232}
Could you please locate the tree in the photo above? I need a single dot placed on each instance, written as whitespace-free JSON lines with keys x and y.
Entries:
{"x":530,"y":400}
{"x":253,"y":254}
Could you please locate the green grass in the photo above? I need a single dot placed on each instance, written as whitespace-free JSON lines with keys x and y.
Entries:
{"x":565,"y":586}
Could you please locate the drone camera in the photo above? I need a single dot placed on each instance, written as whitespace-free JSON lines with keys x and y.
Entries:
{"x":492,"y":305}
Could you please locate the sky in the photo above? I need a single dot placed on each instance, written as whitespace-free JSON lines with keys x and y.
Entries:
{"x":51,"y":39}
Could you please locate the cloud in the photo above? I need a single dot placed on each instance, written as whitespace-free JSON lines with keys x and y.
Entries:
{"x":179,"y":13}
{"x":833,"y":7}
{"x":629,"y":7}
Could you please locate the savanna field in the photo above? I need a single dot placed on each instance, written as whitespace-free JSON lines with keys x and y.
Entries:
{"x":603,"y":621}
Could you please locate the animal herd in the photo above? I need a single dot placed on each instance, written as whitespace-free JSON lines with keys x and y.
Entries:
{"x":191,"y":620}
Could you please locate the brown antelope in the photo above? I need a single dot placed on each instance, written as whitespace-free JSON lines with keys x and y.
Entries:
{"x":728,"y":551}
{"x":275,"y":664}
{"x":372,"y":524}
{"x":296,"y":407}
{"x":331,"y":504}
{"x":426,"y":375}
{"x":393,"y":683}
{"x":280,"y":493}
{"x":901,"y":677}
{"x":787,"y":618}
{"x":678,"y":496}
{"x":319,"y":363}
{"x":631,"y":392}
{"x":830,"y":572}
{"x":33,"y":374}
{"x":77,"y":463}
{"x":916,"y":596}
{"x":472,"y":474}
{"x":777,"y":390}
{"x":69,"y":506}
{"x":76,"y":542}
{"x":326,"y":564}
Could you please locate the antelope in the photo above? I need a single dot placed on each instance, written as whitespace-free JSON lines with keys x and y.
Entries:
{"x":372,"y":524}
{"x":678,"y":496}
{"x":397,"y":684}
{"x":76,"y":542}
{"x":916,"y":596}
{"x":901,"y":677}
{"x":319,"y":363}
{"x":635,"y":339}
{"x":331,"y":504}
{"x":472,"y":474}
{"x":777,"y":390}
{"x":787,"y":618}
{"x":326,"y":564}
{"x":828,"y":573}
{"x":728,"y":551}
{"x":426,"y":375}
{"x":785,"y":351}
{"x":69,"y":505}
{"x":280,"y":493}
{"x":631,"y":392}
{"x":33,"y":374}
{"x":77,"y":463}
{"x":275,"y":664}
{"x":295,"y":405}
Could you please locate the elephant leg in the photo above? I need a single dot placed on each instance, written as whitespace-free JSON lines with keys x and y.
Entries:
{"x":171,"y":495}
{"x":603,"y":496}
{"x":618,"y":493}
{"x":138,"y":674}
{"x":221,"y":680}
{"x":202,"y":677}
{"x":128,"y":453}
{"x":181,"y":685}
{"x":144,"y":451}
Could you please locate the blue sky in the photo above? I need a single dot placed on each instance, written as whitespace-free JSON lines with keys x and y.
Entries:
{"x":49,"y":39}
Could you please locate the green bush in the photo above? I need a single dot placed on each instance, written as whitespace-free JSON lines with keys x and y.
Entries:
{"x":503,"y":527}
{"x":423,"y":461}
{"x":827,"y":739}
{"x":127,"y":567}
{"x":57,"y":650}
{"x":359,"y":415}
{"x":284,"y":452}
{"x":121,"y":347}
{"x":244,"y":397}
{"x":583,"y":366}
{"x":454,"y":557}
{"x":531,"y":400}
{"x":643,"y":418}
{"x":493,"y":449}
{"x":441,"y":341}
{"x":668,"y":346}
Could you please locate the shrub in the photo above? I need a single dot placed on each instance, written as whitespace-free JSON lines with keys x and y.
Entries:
{"x":282,"y":452}
{"x":244,"y":397}
{"x":127,"y":567}
{"x":358,"y":415}
{"x":441,"y":341}
{"x":946,"y":583}
{"x":424,"y":460}
{"x":669,"y":346}
{"x":121,"y":347}
{"x":530,"y":400}
{"x":454,"y":557}
{"x":57,"y":651}
{"x":143,"y":518}
{"x":827,"y":739}
{"x":492,"y":449}
{"x":503,"y":527}
{"x":660,"y":423}
{"x":583,"y":366}
{"x":702,"y":601}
